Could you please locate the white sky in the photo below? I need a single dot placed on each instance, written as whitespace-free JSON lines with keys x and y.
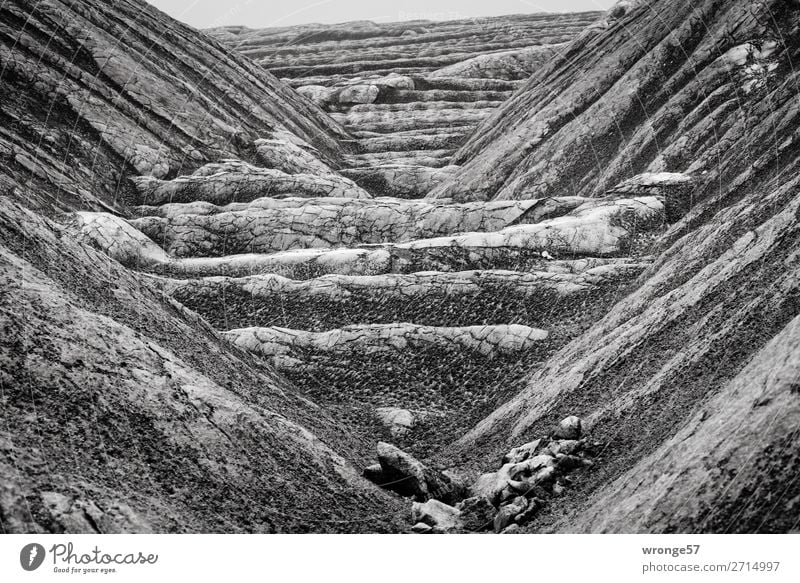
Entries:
{"x":264,"y":13}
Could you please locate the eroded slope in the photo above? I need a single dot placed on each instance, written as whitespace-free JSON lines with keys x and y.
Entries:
{"x":124,"y":412}
{"x":682,"y":374}
{"x":95,"y":93}
{"x":703,"y":88}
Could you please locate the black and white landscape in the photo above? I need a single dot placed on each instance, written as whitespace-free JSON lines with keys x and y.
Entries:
{"x":535,"y":273}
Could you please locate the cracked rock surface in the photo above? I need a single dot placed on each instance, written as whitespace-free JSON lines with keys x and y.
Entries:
{"x":237,"y":181}
{"x":268,"y":225}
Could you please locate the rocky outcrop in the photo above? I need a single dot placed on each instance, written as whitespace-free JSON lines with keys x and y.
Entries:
{"x":376,"y":338}
{"x":429,"y":298}
{"x":317,"y":50}
{"x":531,"y":475}
{"x":517,"y":64}
{"x":603,"y":228}
{"x":118,"y":239}
{"x":269,"y":225}
{"x":236,"y":181}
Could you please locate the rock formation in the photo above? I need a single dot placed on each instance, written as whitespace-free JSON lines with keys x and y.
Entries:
{"x":691,"y":87}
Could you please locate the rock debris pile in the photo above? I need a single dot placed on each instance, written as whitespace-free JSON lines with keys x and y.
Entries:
{"x":504,"y":500}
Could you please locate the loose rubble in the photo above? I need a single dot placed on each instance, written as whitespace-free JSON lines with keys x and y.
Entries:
{"x":530,"y":475}
{"x":503,"y":500}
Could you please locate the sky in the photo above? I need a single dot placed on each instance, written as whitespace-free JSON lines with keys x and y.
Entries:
{"x":265,"y":13}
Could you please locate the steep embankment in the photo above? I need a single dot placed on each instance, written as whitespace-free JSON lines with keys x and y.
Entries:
{"x":97,"y":92}
{"x":691,"y":381}
{"x":690,"y":87}
{"x":122,"y":411}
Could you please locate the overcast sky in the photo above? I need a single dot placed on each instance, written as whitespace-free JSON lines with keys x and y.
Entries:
{"x":264,"y":13}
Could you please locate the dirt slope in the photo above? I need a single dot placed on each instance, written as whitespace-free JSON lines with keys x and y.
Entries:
{"x":689,"y":382}
{"x":705,"y":88}
{"x":97,"y":92}
{"x":122,"y":411}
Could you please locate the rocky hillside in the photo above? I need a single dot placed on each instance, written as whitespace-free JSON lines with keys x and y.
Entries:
{"x":691,"y":87}
{"x":691,"y":380}
{"x":95,"y":93}
{"x":123,"y":411}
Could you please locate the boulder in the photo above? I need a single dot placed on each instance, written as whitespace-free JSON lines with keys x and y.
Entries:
{"x":522,"y":452}
{"x":404,"y":474}
{"x":398,"y":421}
{"x":568,"y":428}
{"x":436,"y":514}
{"x":409,"y":477}
{"x":421,"y":528}
{"x":506,"y":516}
